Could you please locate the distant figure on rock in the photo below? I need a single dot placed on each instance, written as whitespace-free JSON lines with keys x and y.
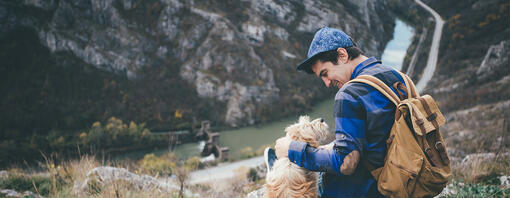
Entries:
{"x":363,"y":118}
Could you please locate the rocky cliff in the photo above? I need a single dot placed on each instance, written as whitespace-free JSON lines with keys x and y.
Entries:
{"x":68,"y":63}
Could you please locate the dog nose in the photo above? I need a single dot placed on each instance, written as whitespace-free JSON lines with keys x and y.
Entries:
{"x":322,"y":119}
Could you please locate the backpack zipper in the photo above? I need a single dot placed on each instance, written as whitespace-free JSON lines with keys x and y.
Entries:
{"x":413,"y":174}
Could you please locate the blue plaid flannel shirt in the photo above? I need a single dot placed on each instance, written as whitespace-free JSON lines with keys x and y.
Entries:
{"x":363,"y":120}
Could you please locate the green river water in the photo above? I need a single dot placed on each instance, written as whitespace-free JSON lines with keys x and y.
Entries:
{"x":255,"y":137}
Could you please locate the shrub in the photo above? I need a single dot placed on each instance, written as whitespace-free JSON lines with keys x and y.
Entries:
{"x":253,"y":175}
{"x":152,"y":164}
{"x":247,"y":152}
{"x":20,"y":182}
{"x":193,"y":163}
{"x":116,"y":133}
{"x":261,"y":149}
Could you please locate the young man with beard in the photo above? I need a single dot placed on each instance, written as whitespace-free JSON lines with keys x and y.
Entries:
{"x":363,"y":118}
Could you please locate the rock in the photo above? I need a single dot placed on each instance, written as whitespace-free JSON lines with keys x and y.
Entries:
{"x":477,"y":158}
{"x":9,"y":193}
{"x":13,"y":193}
{"x":260,"y":193}
{"x":261,"y":170}
{"x":42,"y":4}
{"x":505,"y":181}
{"x":282,"y":12}
{"x":105,"y":176}
{"x":29,"y":194}
{"x":450,"y":190}
{"x":493,"y":64}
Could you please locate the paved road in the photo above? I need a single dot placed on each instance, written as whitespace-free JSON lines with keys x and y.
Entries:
{"x":414,"y":58}
{"x":223,"y":171}
{"x":434,"y":49}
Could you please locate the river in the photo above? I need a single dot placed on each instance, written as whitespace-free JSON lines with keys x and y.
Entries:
{"x":396,"y":49}
{"x":255,"y":137}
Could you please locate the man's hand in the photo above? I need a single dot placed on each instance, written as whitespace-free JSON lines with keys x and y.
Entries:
{"x":282,"y":147}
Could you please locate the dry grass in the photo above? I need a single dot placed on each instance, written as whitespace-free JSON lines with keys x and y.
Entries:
{"x":63,"y":177}
{"x":483,"y":170}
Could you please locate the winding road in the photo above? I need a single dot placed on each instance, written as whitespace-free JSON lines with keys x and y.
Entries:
{"x":434,"y":48}
{"x":223,"y":171}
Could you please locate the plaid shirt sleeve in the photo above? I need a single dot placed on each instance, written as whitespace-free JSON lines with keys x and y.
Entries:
{"x":350,"y":121}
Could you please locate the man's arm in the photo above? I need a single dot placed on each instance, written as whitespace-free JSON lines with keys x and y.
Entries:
{"x":347,"y":147}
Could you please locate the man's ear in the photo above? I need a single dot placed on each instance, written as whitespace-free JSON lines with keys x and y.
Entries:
{"x":343,"y":56}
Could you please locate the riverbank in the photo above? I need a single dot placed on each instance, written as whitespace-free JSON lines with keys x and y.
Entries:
{"x":256,"y":138}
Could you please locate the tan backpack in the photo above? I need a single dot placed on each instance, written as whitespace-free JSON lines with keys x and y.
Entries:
{"x":416,"y":164}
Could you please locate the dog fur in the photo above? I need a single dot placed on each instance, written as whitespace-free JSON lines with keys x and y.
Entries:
{"x":288,"y":179}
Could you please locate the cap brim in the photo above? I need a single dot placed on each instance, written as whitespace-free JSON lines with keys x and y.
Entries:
{"x":306,"y":65}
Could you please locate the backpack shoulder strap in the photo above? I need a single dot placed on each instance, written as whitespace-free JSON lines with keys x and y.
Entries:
{"x":379,"y":85}
{"x":411,"y":88}
{"x":386,"y":91}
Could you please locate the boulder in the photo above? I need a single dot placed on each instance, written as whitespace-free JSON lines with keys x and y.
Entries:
{"x":494,"y":63}
{"x":476,"y":158}
{"x":13,"y":193}
{"x":105,"y":176}
{"x":505,"y":180}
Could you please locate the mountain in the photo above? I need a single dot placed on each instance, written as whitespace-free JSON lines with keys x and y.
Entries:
{"x":169,"y":63}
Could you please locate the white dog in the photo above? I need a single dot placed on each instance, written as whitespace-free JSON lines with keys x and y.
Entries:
{"x":287,"y":179}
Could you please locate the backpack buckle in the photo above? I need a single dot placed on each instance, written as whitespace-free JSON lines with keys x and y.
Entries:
{"x":419,"y":121}
{"x":432,"y":117}
{"x":438,"y":143}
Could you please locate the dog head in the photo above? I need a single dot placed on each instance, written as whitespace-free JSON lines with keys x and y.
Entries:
{"x":288,"y":179}
{"x":308,"y":131}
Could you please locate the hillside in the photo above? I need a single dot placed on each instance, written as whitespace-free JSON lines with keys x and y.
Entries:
{"x":473,"y":75}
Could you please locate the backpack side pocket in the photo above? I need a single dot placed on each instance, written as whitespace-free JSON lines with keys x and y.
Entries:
{"x":398,"y":177}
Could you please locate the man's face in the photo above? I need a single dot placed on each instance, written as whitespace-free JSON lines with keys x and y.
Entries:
{"x":335,"y":75}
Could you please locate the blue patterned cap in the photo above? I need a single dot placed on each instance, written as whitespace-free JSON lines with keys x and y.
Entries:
{"x":324,"y":40}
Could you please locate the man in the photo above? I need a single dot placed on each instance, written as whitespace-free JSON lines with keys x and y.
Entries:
{"x":363,"y":118}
